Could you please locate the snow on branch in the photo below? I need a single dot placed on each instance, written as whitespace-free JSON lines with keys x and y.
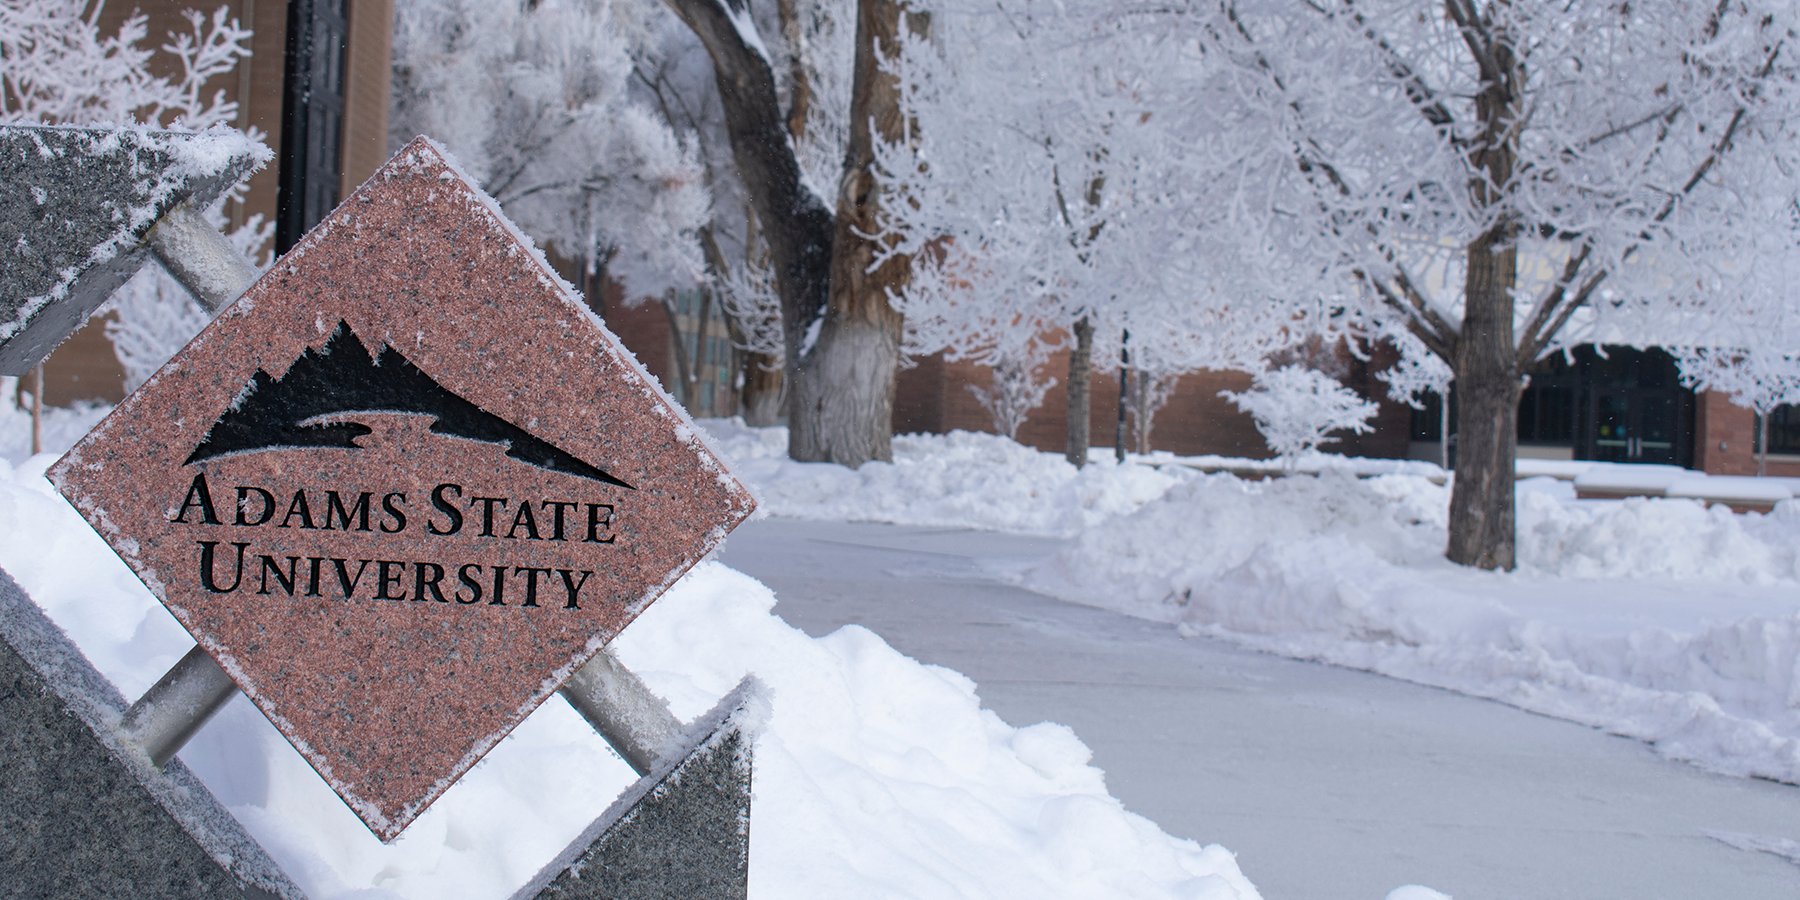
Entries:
{"x":534,"y":101}
{"x":1296,"y":408}
{"x":57,"y":67}
{"x":1016,"y":391}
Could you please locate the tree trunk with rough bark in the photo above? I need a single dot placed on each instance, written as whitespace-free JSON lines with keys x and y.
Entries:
{"x":842,"y":337}
{"x":1081,"y":379}
{"x":843,"y":406}
{"x":760,"y":393}
{"x":1482,"y":509}
{"x":797,"y":226}
{"x":1486,"y":357}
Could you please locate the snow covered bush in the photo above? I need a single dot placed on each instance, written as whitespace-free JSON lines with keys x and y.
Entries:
{"x":1296,"y":408}
{"x":1016,"y":392}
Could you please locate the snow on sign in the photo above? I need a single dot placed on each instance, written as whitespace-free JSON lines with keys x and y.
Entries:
{"x":404,"y":487}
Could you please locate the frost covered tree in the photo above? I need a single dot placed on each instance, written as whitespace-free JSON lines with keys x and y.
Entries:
{"x":1016,"y":390}
{"x":57,"y":67}
{"x":812,"y":66}
{"x":841,"y":337}
{"x":1047,"y":191}
{"x":1146,"y":393}
{"x":534,"y":100}
{"x":1297,"y":407}
{"x":1503,"y":180}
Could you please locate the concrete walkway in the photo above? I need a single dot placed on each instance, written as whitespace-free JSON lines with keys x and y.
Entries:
{"x":1328,"y":783}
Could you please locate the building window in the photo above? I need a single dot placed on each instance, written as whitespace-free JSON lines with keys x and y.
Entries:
{"x":1547,"y":405}
{"x":1784,"y":429}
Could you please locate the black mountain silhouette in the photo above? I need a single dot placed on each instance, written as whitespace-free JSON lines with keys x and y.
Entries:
{"x":343,"y":379}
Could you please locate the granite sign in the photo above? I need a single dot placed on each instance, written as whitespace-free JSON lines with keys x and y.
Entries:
{"x":404,"y":487}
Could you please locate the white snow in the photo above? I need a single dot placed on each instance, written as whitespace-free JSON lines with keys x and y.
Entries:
{"x":875,"y":776}
{"x":1659,"y":619}
{"x":959,"y":479}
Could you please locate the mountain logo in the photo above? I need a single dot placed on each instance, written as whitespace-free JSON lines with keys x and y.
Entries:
{"x":305,"y":408}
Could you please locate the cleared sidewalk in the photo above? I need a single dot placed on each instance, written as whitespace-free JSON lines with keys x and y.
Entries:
{"x":1327,"y":782}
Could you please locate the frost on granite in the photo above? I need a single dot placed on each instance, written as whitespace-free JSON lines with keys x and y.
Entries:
{"x":98,"y":704}
{"x":76,"y":207}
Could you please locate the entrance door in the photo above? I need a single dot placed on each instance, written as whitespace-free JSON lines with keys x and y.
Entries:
{"x":1632,"y":407}
{"x":1636,"y":426}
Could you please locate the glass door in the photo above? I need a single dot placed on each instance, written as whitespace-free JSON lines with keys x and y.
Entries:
{"x":1612,"y":436}
{"x":1636,"y":426}
{"x":1657,"y":421}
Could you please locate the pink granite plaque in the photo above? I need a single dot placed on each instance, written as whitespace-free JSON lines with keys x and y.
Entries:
{"x":404,"y":487}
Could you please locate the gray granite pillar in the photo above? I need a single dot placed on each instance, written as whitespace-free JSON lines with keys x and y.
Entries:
{"x":85,"y":815}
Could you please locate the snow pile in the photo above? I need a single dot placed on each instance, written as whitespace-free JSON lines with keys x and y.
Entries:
{"x":957,"y":479}
{"x":61,"y":427}
{"x":1649,"y":537}
{"x":876,"y":776}
{"x":1654,"y":618}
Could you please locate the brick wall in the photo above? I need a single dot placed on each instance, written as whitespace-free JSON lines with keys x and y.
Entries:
{"x":1725,"y":440}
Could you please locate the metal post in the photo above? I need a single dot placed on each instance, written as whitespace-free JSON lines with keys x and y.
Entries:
{"x":614,"y":700}
{"x":200,"y":257}
{"x":37,"y":409}
{"x":174,"y":708}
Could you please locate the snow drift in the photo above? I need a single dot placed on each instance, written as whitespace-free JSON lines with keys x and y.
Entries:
{"x":876,"y":776}
{"x":1652,"y":618}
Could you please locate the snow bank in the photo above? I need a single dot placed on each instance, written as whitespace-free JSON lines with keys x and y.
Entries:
{"x":1659,"y":619}
{"x":61,"y":427}
{"x":958,"y":479}
{"x":876,"y":776}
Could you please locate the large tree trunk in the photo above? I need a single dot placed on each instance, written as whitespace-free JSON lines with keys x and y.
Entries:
{"x":760,"y":393}
{"x":1482,"y":509}
{"x":1482,"y":513}
{"x":842,"y":338}
{"x":843,"y":403}
{"x":1081,"y":378}
{"x":797,"y":226}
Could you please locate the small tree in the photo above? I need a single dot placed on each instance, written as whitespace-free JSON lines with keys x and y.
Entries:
{"x":1015,"y":393}
{"x":1296,"y":408}
{"x":1145,"y":394}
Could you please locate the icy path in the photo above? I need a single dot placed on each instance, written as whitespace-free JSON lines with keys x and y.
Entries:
{"x":1328,"y":783}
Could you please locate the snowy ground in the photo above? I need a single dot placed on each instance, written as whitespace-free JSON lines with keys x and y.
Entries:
{"x":1658,"y":619}
{"x":1327,"y":782}
{"x":876,"y":776}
